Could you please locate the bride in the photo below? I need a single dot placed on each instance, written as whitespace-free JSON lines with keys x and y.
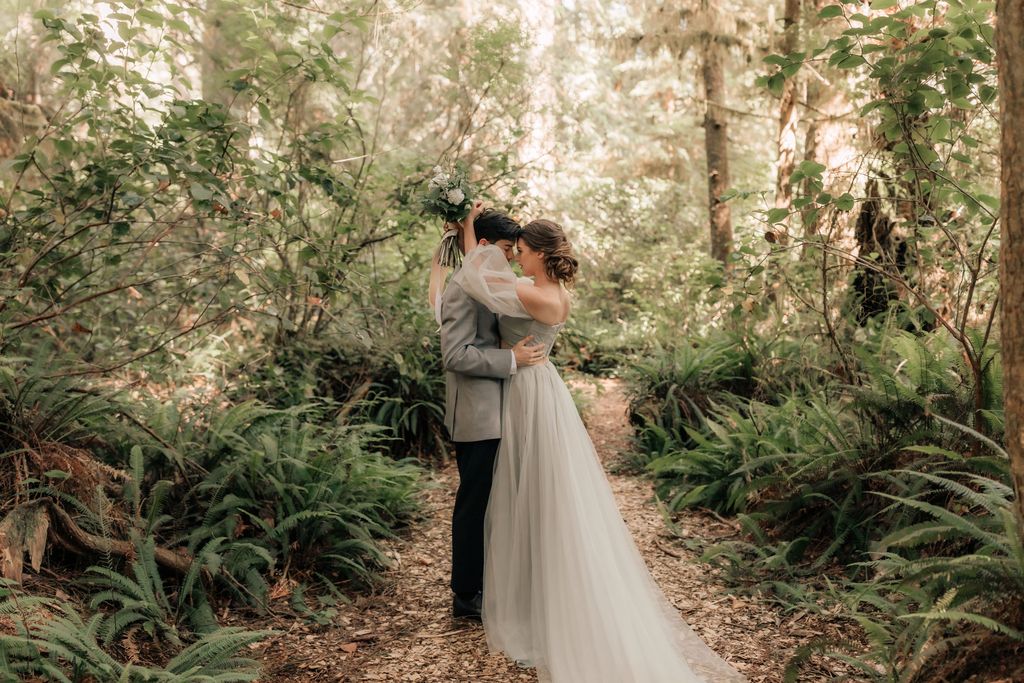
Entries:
{"x":565,"y":588}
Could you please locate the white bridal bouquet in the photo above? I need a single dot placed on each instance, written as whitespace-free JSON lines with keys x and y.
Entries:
{"x":450,"y":196}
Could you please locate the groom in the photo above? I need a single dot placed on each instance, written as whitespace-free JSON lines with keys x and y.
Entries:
{"x":475,"y":366}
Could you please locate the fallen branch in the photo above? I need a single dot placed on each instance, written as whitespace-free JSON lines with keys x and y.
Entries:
{"x":67,"y":534}
{"x":358,"y":395}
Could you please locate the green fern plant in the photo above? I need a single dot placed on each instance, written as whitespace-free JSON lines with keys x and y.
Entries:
{"x":397,"y":383}
{"x":954,"y":578}
{"x":140,"y":600}
{"x":52,"y":641}
{"x":285,"y":489}
{"x":37,"y":409}
{"x":810,"y":466}
{"x":674,"y":391}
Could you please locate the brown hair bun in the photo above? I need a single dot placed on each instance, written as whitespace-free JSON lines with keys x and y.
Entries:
{"x":548,"y":238}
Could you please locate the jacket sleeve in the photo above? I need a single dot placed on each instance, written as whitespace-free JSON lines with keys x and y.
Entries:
{"x":458,"y":331}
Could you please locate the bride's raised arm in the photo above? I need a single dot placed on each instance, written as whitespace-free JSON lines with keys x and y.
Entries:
{"x":468,"y":235}
{"x":437,"y":276}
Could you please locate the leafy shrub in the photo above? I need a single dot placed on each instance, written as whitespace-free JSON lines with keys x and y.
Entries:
{"x":396,"y":382}
{"x":674,"y":389}
{"x":142,"y":603}
{"x":590,"y":347}
{"x":53,"y":641}
{"x":937,"y":586}
{"x":254,"y":488}
{"x":284,"y":485}
{"x":862,"y":487}
{"x":810,"y":466}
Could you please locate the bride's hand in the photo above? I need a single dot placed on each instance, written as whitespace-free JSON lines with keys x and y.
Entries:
{"x":476,"y":210}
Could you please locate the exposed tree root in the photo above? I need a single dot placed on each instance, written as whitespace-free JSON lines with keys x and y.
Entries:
{"x":63,"y":531}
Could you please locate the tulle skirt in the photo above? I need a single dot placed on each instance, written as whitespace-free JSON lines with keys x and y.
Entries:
{"x":565,"y":588}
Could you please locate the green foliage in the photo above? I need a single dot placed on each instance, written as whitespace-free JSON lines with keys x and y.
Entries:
{"x":924,"y":79}
{"x":54,"y":642}
{"x":676,"y":387}
{"x":939,"y":584}
{"x":642,"y":282}
{"x":810,"y":466}
{"x":264,"y":488}
{"x":825,"y":475}
{"x":142,"y":602}
{"x":407,"y":397}
{"x":673,"y":390}
{"x":396,"y":383}
{"x":37,"y":408}
{"x":285,"y":486}
{"x":254,"y":219}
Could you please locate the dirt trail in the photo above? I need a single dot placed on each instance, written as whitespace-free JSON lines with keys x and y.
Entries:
{"x":404,"y":633}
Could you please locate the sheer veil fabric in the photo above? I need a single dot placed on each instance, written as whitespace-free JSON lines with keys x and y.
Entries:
{"x":565,"y":587}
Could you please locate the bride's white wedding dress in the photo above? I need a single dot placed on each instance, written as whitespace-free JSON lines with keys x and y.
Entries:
{"x":565,"y":587}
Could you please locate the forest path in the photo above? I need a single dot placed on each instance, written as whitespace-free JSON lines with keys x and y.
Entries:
{"x":404,"y":632}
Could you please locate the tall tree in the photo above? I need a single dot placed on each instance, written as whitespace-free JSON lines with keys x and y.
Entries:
{"x":1010,"y":51}
{"x":831,"y":121}
{"x":218,"y":52}
{"x":789,"y":117}
{"x":716,"y":130}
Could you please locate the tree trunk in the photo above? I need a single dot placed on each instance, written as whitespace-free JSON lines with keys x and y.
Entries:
{"x":875,"y":232}
{"x":830,"y":133}
{"x":829,"y":139}
{"x":213,"y":56}
{"x":219,"y":54}
{"x":716,"y":136}
{"x":1010,"y":51}
{"x":789,"y":118}
{"x":17,"y":121}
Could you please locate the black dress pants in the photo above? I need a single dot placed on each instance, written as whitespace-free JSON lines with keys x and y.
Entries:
{"x":476,"y":470}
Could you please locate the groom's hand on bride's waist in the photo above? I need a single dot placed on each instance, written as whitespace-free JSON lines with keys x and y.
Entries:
{"x":528,"y":354}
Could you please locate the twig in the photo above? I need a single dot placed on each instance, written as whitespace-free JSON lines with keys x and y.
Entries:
{"x":668,"y":551}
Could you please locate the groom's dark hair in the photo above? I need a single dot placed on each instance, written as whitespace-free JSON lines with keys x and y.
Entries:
{"x":493,"y":225}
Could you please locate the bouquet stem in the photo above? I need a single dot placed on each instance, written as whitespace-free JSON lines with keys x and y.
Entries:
{"x":448,"y":253}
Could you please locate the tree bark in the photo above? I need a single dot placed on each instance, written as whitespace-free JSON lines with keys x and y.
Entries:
{"x":17,"y":121}
{"x":1010,"y":57}
{"x":789,"y":117}
{"x":213,"y":55}
{"x":829,"y":140}
{"x":716,"y":136}
{"x":875,"y":232}
{"x":220,"y":53}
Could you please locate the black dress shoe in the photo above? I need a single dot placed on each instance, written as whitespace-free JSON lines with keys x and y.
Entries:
{"x":463,"y":608}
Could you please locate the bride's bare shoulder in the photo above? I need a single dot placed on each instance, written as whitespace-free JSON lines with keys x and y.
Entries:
{"x":529,"y":293}
{"x":545,"y":305}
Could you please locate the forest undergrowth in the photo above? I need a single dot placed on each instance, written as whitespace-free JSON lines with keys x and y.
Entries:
{"x":220,"y":384}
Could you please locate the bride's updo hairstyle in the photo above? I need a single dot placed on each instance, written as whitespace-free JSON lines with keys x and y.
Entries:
{"x":548,"y":238}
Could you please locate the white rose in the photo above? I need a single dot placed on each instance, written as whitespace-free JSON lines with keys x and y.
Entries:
{"x":456,"y":196}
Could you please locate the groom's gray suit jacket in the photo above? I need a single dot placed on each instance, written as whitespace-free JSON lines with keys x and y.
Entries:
{"x":475,"y":366}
